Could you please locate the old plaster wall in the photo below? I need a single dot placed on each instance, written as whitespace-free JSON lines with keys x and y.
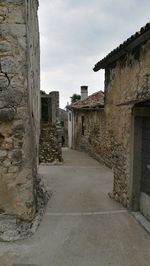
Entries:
{"x":126,"y":81}
{"x":95,"y":139}
{"x":19,"y":112}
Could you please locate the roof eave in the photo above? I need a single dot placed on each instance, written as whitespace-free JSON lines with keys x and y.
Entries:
{"x":117,"y":53}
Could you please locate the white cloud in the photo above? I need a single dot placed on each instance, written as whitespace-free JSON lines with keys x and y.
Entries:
{"x":76,"y":34}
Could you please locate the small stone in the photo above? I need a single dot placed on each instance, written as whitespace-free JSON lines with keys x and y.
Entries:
{"x":6,"y":163}
{"x":1,"y":19}
{"x":4,"y":46}
{"x":9,"y":140}
{"x":18,"y":127}
{"x":7,"y":65}
{"x":13,"y":169}
{"x":3,"y":170}
{"x":15,"y":156}
{"x":3,"y":154}
{"x":3,"y":11}
{"x":7,"y":146}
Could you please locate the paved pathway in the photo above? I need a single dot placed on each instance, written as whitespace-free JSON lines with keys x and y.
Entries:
{"x":82,"y":225}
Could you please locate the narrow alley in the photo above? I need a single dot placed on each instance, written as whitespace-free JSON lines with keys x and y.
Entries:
{"x":82,"y":226}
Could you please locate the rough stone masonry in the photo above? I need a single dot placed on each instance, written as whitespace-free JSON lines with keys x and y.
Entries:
{"x":127,"y":84}
{"x":19,"y":111}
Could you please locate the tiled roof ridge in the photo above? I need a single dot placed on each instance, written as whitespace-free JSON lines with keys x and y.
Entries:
{"x":132,"y":38}
{"x":82,"y":102}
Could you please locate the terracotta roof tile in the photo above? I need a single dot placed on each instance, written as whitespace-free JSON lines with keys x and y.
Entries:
{"x":93,"y":101}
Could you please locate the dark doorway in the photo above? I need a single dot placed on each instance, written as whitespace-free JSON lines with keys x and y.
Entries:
{"x":141,"y":159}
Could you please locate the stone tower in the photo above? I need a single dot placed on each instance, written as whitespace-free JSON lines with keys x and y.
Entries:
{"x":19,"y":107}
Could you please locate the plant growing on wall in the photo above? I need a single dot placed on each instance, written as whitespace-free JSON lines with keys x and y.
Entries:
{"x":75,"y":97}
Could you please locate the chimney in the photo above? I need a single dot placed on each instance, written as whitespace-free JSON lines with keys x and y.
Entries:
{"x":84,"y":92}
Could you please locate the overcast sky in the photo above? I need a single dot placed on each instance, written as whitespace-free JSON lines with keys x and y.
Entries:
{"x":76,"y":34}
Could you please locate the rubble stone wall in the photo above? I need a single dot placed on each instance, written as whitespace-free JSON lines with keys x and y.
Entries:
{"x":96,"y":138}
{"x":50,"y":144}
{"x":127,"y":81}
{"x":19,"y":112}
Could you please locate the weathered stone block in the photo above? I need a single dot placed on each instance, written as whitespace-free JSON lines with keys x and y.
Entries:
{"x":8,"y":65}
{"x":1,"y":19}
{"x":10,"y":97}
{"x":7,"y":114}
{"x":5,"y":46}
{"x":3,"y":10}
{"x":13,"y":169}
{"x":3,"y":153}
{"x":7,"y":146}
{"x":15,"y":157}
{"x":6,"y":163}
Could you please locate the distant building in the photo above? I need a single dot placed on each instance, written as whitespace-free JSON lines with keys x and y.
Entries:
{"x":49,"y":107}
{"x":86,"y":126}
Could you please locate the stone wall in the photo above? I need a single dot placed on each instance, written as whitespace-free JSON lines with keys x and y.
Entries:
{"x":19,"y":112}
{"x":95,"y":139}
{"x":50,"y":144}
{"x":126,"y":82}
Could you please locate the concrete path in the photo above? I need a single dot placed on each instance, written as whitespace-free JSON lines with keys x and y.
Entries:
{"x":82,"y":225}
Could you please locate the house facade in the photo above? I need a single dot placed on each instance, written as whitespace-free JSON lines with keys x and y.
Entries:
{"x":127,"y":114}
{"x":87,"y":126}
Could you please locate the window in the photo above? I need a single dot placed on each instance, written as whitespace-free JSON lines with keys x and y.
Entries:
{"x":82,"y":125}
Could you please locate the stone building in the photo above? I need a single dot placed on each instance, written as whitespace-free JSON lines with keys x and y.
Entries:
{"x":19,"y":107}
{"x":51,"y":130}
{"x":127,"y":111}
{"x":49,"y":107}
{"x":71,"y":120}
{"x":87,"y":126}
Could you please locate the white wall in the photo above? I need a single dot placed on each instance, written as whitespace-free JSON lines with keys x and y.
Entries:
{"x":70,"y":128}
